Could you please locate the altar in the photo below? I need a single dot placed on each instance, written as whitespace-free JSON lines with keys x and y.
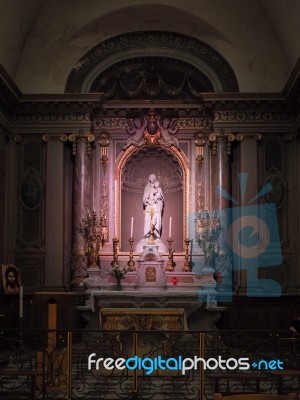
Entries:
{"x":148,"y":242}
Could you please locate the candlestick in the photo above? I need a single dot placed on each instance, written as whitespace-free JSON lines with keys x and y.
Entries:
{"x":170,"y":263}
{"x":186,"y":266}
{"x":131,"y":263}
{"x":115,"y":251}
{"x":170,"y":227}
{"x":131,"y":227}
{"x":21,"y":302}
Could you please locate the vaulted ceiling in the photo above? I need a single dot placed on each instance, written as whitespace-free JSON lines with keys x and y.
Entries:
{"x":42,"y":40}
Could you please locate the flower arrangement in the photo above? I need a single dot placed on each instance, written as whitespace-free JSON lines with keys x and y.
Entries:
{"x":118,"y":273}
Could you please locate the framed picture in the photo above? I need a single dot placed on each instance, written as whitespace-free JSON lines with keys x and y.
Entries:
{"x":10,"y":279}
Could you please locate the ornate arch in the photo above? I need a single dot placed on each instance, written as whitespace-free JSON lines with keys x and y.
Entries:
{"x":147,"y":44}
{"x":120,"y":165}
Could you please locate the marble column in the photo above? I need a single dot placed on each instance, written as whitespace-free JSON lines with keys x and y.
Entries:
{"x":248,"y":165}
{"x":221,"y":151}
{"x":81,"y":205}
{"x":54,"y":260}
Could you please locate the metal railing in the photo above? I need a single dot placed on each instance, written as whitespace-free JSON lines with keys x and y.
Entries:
{"x":60,"y":360}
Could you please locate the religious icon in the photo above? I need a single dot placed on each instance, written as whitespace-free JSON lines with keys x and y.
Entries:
{"x":10,"y":278}
{"x":150,"y":274}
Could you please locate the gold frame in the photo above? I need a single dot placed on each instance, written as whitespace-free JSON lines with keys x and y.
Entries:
{"x":120,"y":163}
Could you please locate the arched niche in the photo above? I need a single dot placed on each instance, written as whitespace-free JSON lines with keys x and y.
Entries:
{"x":134,"y":45}
{"x":171,"y":169}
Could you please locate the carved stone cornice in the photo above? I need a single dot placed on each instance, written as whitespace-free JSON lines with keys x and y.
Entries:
{"x":23,"y":112}
{"x":55,"y":136}
{"x":51,"y":116}
{"x":255,"y":116}
{"x":248,"y":136}
{"x":114,"y":114}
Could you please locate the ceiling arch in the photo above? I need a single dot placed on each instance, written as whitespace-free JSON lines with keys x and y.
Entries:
{"x":146,"y":44}
{"x":41,"y":40}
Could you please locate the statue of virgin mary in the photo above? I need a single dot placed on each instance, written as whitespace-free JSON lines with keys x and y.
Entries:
{"x":153,"y":201}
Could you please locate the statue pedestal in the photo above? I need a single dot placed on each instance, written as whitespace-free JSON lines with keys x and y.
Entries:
{"x":93,"y":277}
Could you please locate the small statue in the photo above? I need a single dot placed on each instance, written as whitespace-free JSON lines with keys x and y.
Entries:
{"x":136,"y":127}
{"x":103,"y":229}
{"x":92,"y":248}
{"x":104,"y":233}
{"x":167,"y":128}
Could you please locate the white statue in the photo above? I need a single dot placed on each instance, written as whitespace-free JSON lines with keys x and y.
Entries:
{"x":153,"y":206}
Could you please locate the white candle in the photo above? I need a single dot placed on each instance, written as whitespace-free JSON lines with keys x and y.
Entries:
{"x":170,"y":227}
{"x":131,"y":228}
{"x":21,"y":302}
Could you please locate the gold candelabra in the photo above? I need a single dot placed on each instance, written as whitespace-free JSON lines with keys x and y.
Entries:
{"x":89,"y":230}
{"x":208,"y":229}
{"x":187,"y":264}
{"x":131,"y":263}
{"x":115,"y":251}
{"x":170,"y":263}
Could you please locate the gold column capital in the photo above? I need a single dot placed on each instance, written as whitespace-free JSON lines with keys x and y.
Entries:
{"x":55,"y":136}
{"x":88,"y":136}
{"x":15,"y":137}
{"x":200,"y":140}
{"x":248,"y":136}
{"x":222,"y":135}
{"x":83,"y":137}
